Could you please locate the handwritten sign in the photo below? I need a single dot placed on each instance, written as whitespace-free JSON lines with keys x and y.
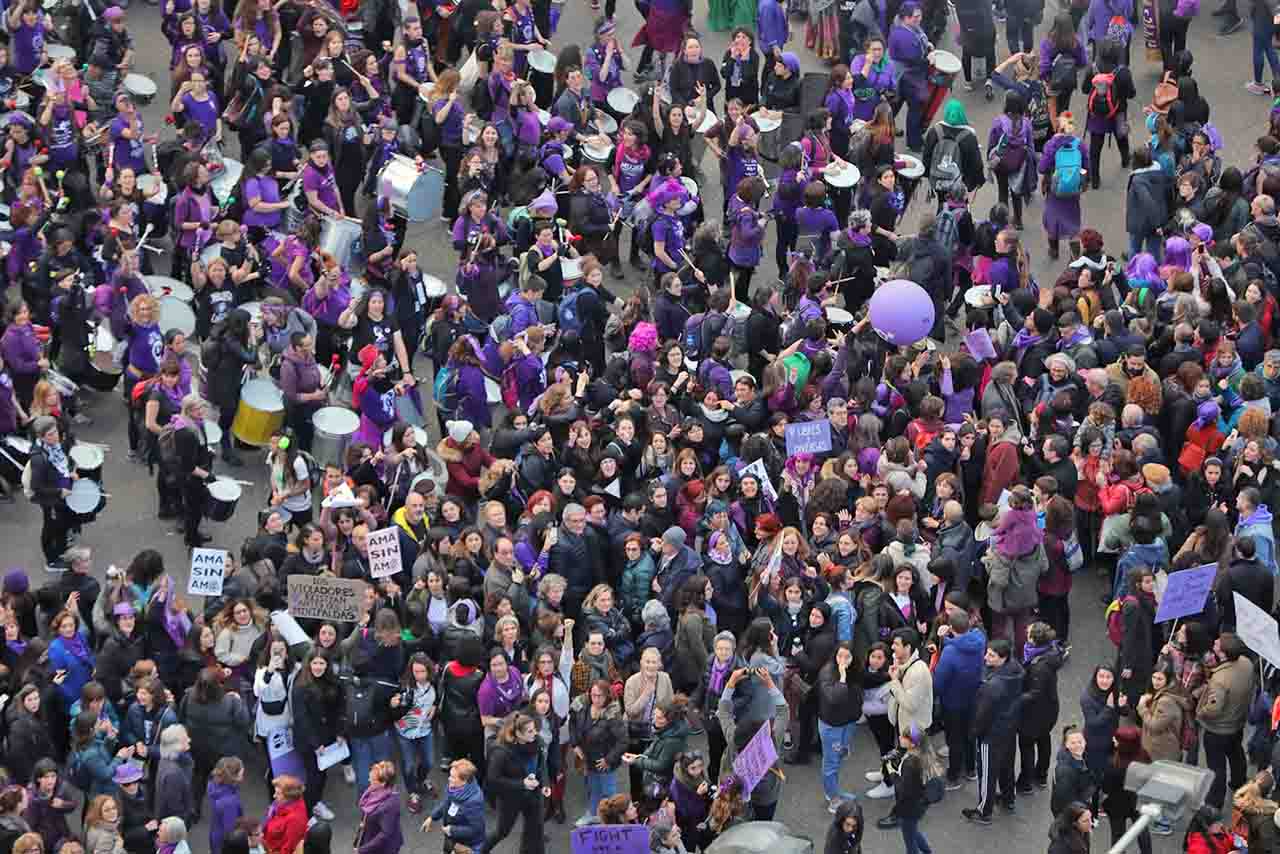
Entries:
{"x":1257,"y":629}
{"x":1186,"y":592}
{"x":755,"y":760}
{"x":208,"y":570}
{"x":384,"y":552}
{"x":284,"y":758}
{"x":979,"y":344}
{"x":761,"y":474}
{"x":320,"y":597}
{"x":808,"y":437}
{"x":610,"y":839}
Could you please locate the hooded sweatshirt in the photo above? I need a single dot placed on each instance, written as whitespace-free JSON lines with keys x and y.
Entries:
{"x":958,"y":673}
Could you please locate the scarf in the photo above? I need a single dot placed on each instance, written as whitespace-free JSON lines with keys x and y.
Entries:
{"x":176,"y":625}
{"x":56,"y":456}
{"x":1029,"y":652}
{"x":599,"y":665}
{"x":510,"y":690}
{"x":719,"y":674}
{"x":1023,"y":341}
{"x":17,"y":647}
{"x":374,"y":796}
{"x":77,"y":647}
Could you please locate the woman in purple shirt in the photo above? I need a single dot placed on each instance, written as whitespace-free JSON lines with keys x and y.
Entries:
{"x":197,"y":104}
{"x":260,"y":18}
{"x":22,"y":354}
{"x":477,"y":234}
{"x":873,"y":75}
{"x":1060,"y":51}
{"x":668,"y":235}
{"x":127,"y":137}
{"x":26,"y":36}
{"x":604,"y":63}
{"x":261,"y":194}
{"x":192,"y":217}
{"x":448,"y":114}
{"x":746,"y":233}
{"x":501,"y":692}
{"x":319,"y":182}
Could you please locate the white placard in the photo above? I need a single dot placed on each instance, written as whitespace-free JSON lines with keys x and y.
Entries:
{"x":280,"y":742}
{"x":288,"y":628}
{"x":384,"y":552}
{"x":331,"y":754}
{"x":1257,"y":629}
{"x":761,"y":474}
{"x":208,"y":569}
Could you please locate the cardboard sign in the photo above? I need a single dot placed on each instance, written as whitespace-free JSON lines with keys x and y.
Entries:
{"x":1257,"y":629}
{"x":284,"y":759}
{"x":384,"y":552}
{"x":610,"y":839}
{"x":321,"y":597}
{"x":808,"y":437}
{"x":208,"y":570}
{"x":1186,"y":592}
{"x":755,"y":760}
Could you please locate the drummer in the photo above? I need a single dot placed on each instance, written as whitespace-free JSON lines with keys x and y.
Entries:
{"x":604,"y":63}
{"x":320,"y":183}
{"x":553,"y":156}
{"x":195,"y":103}
{"x":668,"y":234}
{"x":909,"y":48}
{"x":574,"y":106}
{"x":233,"y":348}
{"x":629,"y":177}
{"x":543,"y":260}
{"x":12,"y":415}
{"x":477,"y":235}
{"x":411,"y":70}
{"x":304,"y":393}
{"x":214,"y":294}
{"x":191,"y":471}
{"x":782,"y":90}
{"x":142,"y":358}
{"x":127,"y":137}
{"x":163,"y":402}
{"x":591,"y":217}
{"x":374,"y":395}
{"x":325,"y":301}
{"x":746,"y":235}
{"x":52,"y":475}
{"x":524,"y":35}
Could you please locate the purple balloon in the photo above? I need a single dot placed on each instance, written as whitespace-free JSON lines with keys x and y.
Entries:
{"x":901,"y":312}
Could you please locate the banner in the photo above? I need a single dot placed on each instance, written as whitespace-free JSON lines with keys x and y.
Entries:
{"x":1186,"y":592}
{"x":322,"y":597}
{"x":208,"y":570}
{"x":755,"y":760}
{"x":610,"y":839}
{"x":1257,"y":629}
{"x":384,"y":552}
{"x":808,"y":437}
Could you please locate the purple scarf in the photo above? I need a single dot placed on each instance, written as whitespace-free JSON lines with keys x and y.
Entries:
{"x":719,"y":673}
{"x":76,"y":646}
{"x":17,"y":646}
{"x":1022,"y":341}
{"x":1029,"y":652}
{"x":176,"y":625}
{"x":1018,"y":534}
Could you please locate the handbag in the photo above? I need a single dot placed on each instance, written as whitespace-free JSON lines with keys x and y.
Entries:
{"x":1166,"y":93}
{"x":796,"y":686}
{"x":934,"y":790}
{"x":1073,"y":553}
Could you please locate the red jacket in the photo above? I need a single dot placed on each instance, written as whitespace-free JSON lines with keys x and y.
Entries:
{"x":999,"y":472}
{"x":1203,"y":843}
{"x":286,"y":828}
{"x":1118,"y":497}
{"x":465,"y":467}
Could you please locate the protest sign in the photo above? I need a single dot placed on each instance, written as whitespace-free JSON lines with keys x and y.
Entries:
{"x":331,"y":754}
{"x":762,"y":475}
{"x":979,"y":344}
{"x":321,"y":597}
{"x":809,"y":437}
{"x":384,"y":552}
{"x":755,"y":760}
{"x":288,"y":628}
{"x":208,"y":569}
{"x":1186,"y":592}
{"x":610,"y":839}
{"x":284,"y":758}
{"x":1257,"y":629}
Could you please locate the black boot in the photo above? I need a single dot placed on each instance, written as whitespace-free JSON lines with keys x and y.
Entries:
{"x":229,"y":455}
{"x":1053,"y":250}
{"x":635,"y":252}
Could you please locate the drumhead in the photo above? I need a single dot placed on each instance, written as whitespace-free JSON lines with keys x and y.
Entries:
{"x":19,"y":444}
{"x":225,"y":490}
{"x":85,"y":495}
{"x":212,"y":433}
{"x":622,"y":99}
{"x":570,"y":269}
{"x":690,"y":185}
{"x":434,"y":287}
{"x":838,"y":315}
{"x":255,"y":308}
{"x":912,"y":166}
{"x":146,"y":182}
{"x":542,"y":60}
{"x":606,"y":124}
{"x":709,"y":120}
{"x":86,"y":457}
{"x":176,"y":314}
{"x":336,"y":421}
{"x":766,"y":124}
{"x":978,"y":296}
{"x":225,"y":181}
{"x":164,"y":286}
{"x":138,"y":84}
{"x":59,"y":51}
{"x":598,"y":153}
{"x":945,"y":61}
{"x":492,"y":391}
{"x":846,"y":176}
{"x":263,"y":395}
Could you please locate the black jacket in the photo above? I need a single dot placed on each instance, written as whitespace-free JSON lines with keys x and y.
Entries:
{"x":685,"y":77}
{"x":317,"y":709}
{"x":1072,"y":781}
{"x":509,"y":764}
{"x":1251,"y":580}
{"x":1137,"y":651}
{"x":226,"y":375}
{"x":599,"y":738}
{"x":1040,"y":692}
{"x":839,"y":701}
{"x":998,"y":708}
{"x":1147,"y":200}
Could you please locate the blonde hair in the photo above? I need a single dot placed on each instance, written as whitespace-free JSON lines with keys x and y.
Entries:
{"x":1066,"y":122}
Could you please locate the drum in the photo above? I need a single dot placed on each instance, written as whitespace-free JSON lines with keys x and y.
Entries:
{"x":766,"y":124}
{"x":606,"y":123}
{"x":60,"y":51}
{"x":141,"y":89}
{"x":943,"y":67}
{"x":596,"y":153}
{"x":260,"y":414}
{"x":846,"y":175}
{"x":254,"y":310}
{"x":979,"y":296}
{"x":839,"y":318}
{"x":338,"y":237}
{"x":15,"y":452}
{"x":570,"y":269}
{"x":43,"y":77}
{"x":212,"y":434}
{"x":163,"y":286}
{"x":103,"y":372}
{"x":86,"y":500}
{"x":415,"y":195}
{"x":147,"y":182}
{"x":296,"y":213}
{"x":335,"y":425}
{"x":769,"y":142}
{"x":544,"y":116}
{"x":224,"y":495}
{"x":225,"y":181}
{"x":88,"y":460}
{"x":622,"y":100}
{"x":910,"y":170}
{"x":176,"y":314}
{"x":21,"y":100}
{"x":690,"y":185}
{"x":418,"y":433}
{"x":709,"y":119}
{"x":542,"y":60}
{"x":436,"y":290}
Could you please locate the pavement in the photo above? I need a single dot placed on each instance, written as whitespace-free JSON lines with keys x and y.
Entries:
{"x":128,"y":522}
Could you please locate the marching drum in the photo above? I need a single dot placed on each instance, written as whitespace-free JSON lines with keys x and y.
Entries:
{"x":622,"y":100}
{"x":224,"y":494}
{"x":296,"y":213}
{"x":146,"y":182}
{"x":596,"y":153}
{"x":212,"y":434}
{"x":104,"y":371}
{"x":415,"y":195}
{"x":60,"y":51}
{"x":224,"y":183}
{"x":542,"y":60}
{"x":163,"y":286}
{"x":176,"y":314}
{"x":86,"y":500}
{"x":943,"y":68}
{"x":769,"y":143}
{"x":338,"y":237}
{"x":15,"y":452}
{"x":910,"y":170}
{"x":88,"y":460}
{"x":260,"y":414}
{"x":335,"y":425}
{"x":690,"y":185}
{"x":846,"y":175}
{"x":141,"y":89}
{"x":606,"y":123}
{"x":709,"y":120}
{"x":21,"y":100}
{"x":839,"y":318}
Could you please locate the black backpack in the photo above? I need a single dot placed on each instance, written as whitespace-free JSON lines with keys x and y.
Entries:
{"x":482,"y":98}
{"x":360,"y":701}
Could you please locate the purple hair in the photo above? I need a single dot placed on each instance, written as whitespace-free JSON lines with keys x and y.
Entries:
{"x":1177,"y":253}
{"x":1142,"y":267}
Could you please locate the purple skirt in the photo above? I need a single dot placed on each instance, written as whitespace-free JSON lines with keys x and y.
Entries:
{"x":1061,"y":217}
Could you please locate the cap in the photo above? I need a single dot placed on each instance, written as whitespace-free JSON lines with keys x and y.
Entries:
{"x":1135,"y":349}
{"x":127,"y":773}
{"x":113,"y":13}
{"x":460,"y":430}
{"x":558,"y":125}
{"x":674,"y":536}
{"x":368,"y":355}
{"x":16,"y":582}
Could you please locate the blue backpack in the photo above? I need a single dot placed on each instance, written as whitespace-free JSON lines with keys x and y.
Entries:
{"x":567,"y":316}
{"x":1068,"y":170}
{"x":445,"y":390}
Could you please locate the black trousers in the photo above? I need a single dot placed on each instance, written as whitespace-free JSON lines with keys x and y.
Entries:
{"x":1095,"y":155}
{"x":962,"y":758}
{"x":468,"y":746}
{"x":194,"y":496}
{"x":788,"y":233}
{"x":315,"y":780}
{"x":1219,"y":751}
{"x":995,"y":772}
{"x":1002,"y":185}
{"x":452,"y":156}
{"x":1173,"y":39}
{"x":509,"y":809}
{"x":53,"y":532}
{"x":1035,"y":751}
{"x":742,"y":282}
{"x":980,"y":48}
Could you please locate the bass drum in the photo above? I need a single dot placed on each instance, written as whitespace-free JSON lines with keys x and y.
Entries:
{"x":417,"y":195}
{"x":340,"y":237}
{"x":103,"y":373}
{"x":15,"y":452}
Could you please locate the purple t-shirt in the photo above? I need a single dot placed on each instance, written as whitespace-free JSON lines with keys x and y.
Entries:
{"x":669,"y":231}
{"x":27,"y":43}
{"x":741,"y":165}
{"x":128,"y":152}
{"x":322,"y":184}
{"x":293,"y":248}
{"x":265,"y":189}
{"x":451,"y":128}
{"x":62,"y":137}
{"x":203,"y":113}
{"x":146,"y":348}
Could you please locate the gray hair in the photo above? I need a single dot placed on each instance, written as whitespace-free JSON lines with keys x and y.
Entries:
{"x":171,"y":739}
{"x":572,"y":508}
{"x":77,"y":554}
{"x":172,"y":829}
{"x":192,"y":401}
{"x":43,"y":425}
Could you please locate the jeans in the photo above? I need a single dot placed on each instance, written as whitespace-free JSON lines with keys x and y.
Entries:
{"x":915,"y":123}
{"x":1219,"y":750}
{"x":1020,"y":33}
{"x":1148,"y":243}
{"x":366,"y":751}
{"x":912,"y":837}
{"x":600,"y":785}
{"x":962,"y":757}
{"x":1262,"y":46}
{"x":835,"y":747}
{"x":417,"y":757}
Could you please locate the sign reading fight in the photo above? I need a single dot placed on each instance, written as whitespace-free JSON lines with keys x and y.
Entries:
{"x":384,"y":552}
{"x":755,"y":760}
{"x":1186,"y":592}
{"x":610,"y":839}
{"x":208,"y":569}
{"x":320,"y":597}
{"x":809,"y":437}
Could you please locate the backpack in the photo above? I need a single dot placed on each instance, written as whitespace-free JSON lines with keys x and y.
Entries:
{"x":1068,"y":169}
{"x":567,"y":316}
{"x":946,"y":228}
{"x":924,"y":437}
{"x":1115,"y":619}
{"x":210,"y":353}
{"x":359,"y":700}
{"x":944,"y":167}
{"x":1062,"y":75}
{"x":1119,"y":29}
{"x":510,"y":387}
{"x":167,"y":445}
{"x":78,"y":771}
{"x":445,"y":390}
{"x":500,"y":329}
{"x":482,"y":98}
{"x":692,"y":342}
{"x":1102,"y":98}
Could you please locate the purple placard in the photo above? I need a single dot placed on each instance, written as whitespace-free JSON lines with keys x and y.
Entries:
{"x":610,"y":839}
{"x":755,"y":760}
{"x":979,"y":343}
{"x":1186,"y":593}
{"x":808,"y":437}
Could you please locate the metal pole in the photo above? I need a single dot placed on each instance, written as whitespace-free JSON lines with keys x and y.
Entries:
{"x":1149,"y":813}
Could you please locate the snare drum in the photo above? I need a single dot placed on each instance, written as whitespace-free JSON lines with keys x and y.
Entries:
{"x":176,"y":314}
{"x":596,"y":153}
{"x":60,"y":51}
{"x":88,"y":461}
{"x":570,"y":269}
{"x":86,"y":500}
{"x":141,"y":89}
{"x":260,"y":414}
{"x":104,"y":371}
{"x":224,"y":495}
{"x":542,"y":60}
{"x":709,"y":120}
{"x":690,"y":185}
{"x":163,"y":286}
{"x":842,"y":176}
{"x":338,"y":237}
{"x":839,"y":318}
{"x":606,"y":123}
{"x":622,"y":100}
{"x":334,"y":427}
{"x":15,"y":452}
{"x":225,"y":181}
{"x":435,"y":289}
{"x":21,"y":100}
{"x":146,"y":183}
{"x":212,"y":434}
{"x":910,"y":169}
{"x":943,"y":67}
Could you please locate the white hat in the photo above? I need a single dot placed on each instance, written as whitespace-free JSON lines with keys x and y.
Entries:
{"x":460,"y":430}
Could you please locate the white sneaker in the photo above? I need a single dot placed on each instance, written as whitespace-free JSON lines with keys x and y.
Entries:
{"x":880,"y":792}
{"x":873,"y":776}
{"x":833,"y":805}
{"x":349,"y":774}
{"x":321,"y":811}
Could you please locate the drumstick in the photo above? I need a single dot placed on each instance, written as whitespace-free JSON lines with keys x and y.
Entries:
{"x":689,"y":261}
